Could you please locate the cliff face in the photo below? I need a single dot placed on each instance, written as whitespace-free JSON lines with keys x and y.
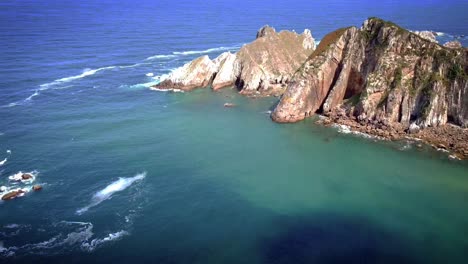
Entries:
{"x":263,"y":67}
{"x":383,"y":73}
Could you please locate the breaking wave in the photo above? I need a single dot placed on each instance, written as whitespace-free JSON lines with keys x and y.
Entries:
{"x":3,"y":162}
{"x":193,"y":52}
{"x":106,"y":193}
{"x":86,"y":72}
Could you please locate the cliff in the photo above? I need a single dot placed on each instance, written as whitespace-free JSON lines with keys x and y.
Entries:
{"x":263,"y":67}
{"x":380,"y":73}
{"x":379,"y":79}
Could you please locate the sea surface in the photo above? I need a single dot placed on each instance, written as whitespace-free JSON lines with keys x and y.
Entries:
{"x":131,"y":175}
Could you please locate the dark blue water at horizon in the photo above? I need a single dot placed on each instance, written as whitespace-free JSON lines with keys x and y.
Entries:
{"x":131,"y":174}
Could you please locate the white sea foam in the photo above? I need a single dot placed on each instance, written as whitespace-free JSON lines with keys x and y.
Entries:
{"x":80,"y":236}
{"x":36,"y":93}
{"x":106,"y":193}
{"x":93,"y":244}
{"x":161,"y":57}
{"x":85,"y":73}
{"x":347,"y":130}
{"x":3,"y":162}
{"x":8,"y":151}
{"x":149,"y":74}
{"x":193,"y":52}
{"x":17,"y":177}
{"x":154,"y":81}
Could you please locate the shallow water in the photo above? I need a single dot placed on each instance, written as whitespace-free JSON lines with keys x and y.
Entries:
{"x":222,"y":185}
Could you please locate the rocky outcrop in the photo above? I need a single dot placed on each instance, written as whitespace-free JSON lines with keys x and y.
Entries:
{"x":428,"y":35}
{"x":380,"y":72}
{"x":13,"y":194}
{"x":263,"y":67}
{"x":453,"y":44}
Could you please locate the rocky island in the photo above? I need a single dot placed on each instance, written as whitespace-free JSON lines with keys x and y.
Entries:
{"x":380,"y":79}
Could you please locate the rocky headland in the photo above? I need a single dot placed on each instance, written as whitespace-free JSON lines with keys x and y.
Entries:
{"x":379,"y":79}
{"x":263,"y":67}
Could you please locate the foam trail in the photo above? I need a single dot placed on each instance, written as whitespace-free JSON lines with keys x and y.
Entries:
{"x":86,"y":72}
{"x":134,"y":65}
{"x":106,"y":193}
{"x":98,"y":241}
{"x":3,"y":162}
{"x":161,"y":57}
{"x":36,"y":93}
{"x":192,"y":52}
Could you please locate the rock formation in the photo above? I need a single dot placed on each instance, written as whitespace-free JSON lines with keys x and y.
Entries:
{"x":379,"y":79}
{"x":262,"y":67}
{"x":380,"y":73}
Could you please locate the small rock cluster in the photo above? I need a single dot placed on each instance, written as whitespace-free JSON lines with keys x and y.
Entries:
{"x":19,"y":192}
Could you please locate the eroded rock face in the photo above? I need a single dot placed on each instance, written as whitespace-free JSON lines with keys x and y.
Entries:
{"x":262,"y":67}
{"x":197,"y":73}
{"x":380,"y":72}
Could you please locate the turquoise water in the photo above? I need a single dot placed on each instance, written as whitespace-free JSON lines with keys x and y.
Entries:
{"x":131,"y":174}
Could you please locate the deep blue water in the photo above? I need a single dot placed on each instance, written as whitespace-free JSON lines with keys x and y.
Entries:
{"x":131,"y":174}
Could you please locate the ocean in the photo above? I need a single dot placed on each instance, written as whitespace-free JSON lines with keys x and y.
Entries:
{"x":134,"y":175}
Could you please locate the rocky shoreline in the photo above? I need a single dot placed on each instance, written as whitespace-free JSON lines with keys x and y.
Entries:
{"x":448,"y":137}
{"x":379,"y":79}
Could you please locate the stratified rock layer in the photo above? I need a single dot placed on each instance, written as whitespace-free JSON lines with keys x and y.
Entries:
{"x":262,"y":67}
{"x":380,"y":72}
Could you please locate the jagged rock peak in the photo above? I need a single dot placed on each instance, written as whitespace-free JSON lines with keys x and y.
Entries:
{"x":265,"y":31}
{"x":263,"y":67}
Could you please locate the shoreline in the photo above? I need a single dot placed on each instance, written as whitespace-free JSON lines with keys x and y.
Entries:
{"x":448,"y":138}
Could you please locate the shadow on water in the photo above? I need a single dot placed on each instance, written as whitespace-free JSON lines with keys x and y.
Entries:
{"x":333,"y":238}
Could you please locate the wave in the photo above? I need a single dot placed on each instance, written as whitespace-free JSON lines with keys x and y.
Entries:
{"x":133,"y":65}
{"x":161,"y":57}
{"x":8,"y":151}
{"x":106,"y":193}
{"x":194,"y":52}
{"x":3,"y":162}
{"x":154,"y":81}
{"x":85,"y":73}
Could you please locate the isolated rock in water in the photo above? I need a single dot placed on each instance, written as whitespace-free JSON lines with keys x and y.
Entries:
{"x":428,"y":35}
{"x":197,"y":73}
{"x":380,"y":73}
{"x":12,"y":194}
{"x":229,"y":105}
{"x":263,"y":67}
{"x":37,"y":188}
{"x":26,"y":176}
{"x":453,"y":44}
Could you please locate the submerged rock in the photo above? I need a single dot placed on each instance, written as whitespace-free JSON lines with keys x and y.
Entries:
{"x":262,"y":67}
{"x":229,"y":105}
{"x":37,"y":188}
